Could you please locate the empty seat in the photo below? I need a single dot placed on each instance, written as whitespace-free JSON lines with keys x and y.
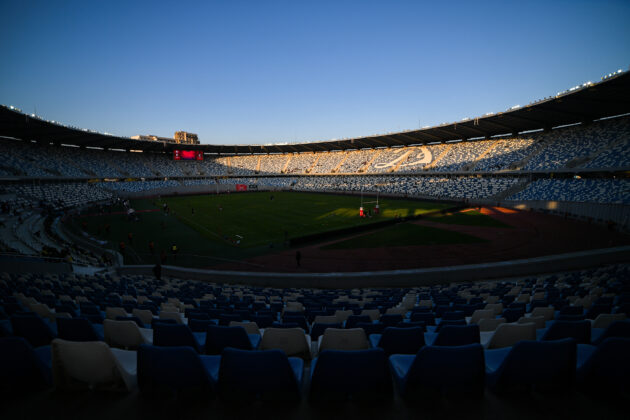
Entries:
{"x":92,"y":365}
{"x":145,"y":315}
{"x":457,"y":335}
{"x":319,"y":328}
{"x":343,"y":339}
{"x":293,"y":341}
{"x":357,"y":375}
{"x":437,"y":370}
{"x":548,"y":313}
{"x":487,"y":324}
{"x":219,"y":337}
{"x":578,"y":330}
{"x":115,"y":312}
{"x":22,"y":368}
{"x":604,"y":320}
{"x":266,"y":375}
{"x":399,"y":340}
{"x":167,"y":370}
{"x":544,"y":365}
{"x":175,"y":335}
{"x":480,"y":314}
{"x":605,"y":368}
{"x":33,"y":328}
{"x":250,"y":327}
{"x":539,"y":321}
{"x":506,"y":335}
{"x":77,"y":329}
{"x":615,"y":329}
{"x":126,"y":334}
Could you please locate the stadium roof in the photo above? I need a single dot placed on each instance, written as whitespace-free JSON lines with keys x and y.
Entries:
{"x":587,"y":102}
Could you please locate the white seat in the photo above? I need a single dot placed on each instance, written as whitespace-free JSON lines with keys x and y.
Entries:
{"x":490,"y":324}
{"x":293,"y":341}
{"x":94,"y":365}
{"x":604,"y":320}
{"x":343,"y":339}
{"x":126,"y":334}
{"x":506,"y":335}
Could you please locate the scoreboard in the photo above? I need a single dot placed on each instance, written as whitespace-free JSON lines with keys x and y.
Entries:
{"x":187,"y":155}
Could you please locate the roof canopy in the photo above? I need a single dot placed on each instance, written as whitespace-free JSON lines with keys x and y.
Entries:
{"x":586,"y":103}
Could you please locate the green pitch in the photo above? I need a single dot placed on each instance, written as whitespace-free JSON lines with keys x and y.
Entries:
{"x":210,"y":229}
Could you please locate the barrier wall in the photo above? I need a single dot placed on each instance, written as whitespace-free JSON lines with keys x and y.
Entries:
{"x":400,"y":278}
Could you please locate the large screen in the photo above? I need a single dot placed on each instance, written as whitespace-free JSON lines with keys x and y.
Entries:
{"x":187,"y":155}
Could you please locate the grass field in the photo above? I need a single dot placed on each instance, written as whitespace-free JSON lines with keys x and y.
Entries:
{"x":210,"y":229}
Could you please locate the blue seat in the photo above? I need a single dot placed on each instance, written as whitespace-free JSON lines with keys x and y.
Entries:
{"x":219,"y":337}
{"x":513,"y":314}
{"x":353,"y":320}
{"x":357,"y":375}
{"x":371,"y":328}
{"x":427,"y":317}
{"x":544,"y":365}
{"x":33,"y":328}
{"x":619,"y":329}
{"x":171,"y":370}
{"x":412,"y":324}
{"x":605,"y":368}
{"x":457,"y":335}
{"x":23,"y":368}
{"x":264,"y":375}
{"x":199,"y":325}
{"x":77,"y":329}
{"x":399,"y":340}
{"x":390,"y":320}
{"x":439,"y":370}
{"x":453,"y":315}
{"x":174,"y":335}
{"x":225,"y":319}
{"x":578,"y":330}
{"x":263,"y":321}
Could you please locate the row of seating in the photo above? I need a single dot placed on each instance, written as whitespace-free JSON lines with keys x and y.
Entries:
{"x":338,"y":375}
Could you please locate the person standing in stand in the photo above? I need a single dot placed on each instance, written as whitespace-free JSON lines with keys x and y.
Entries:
{"x":298,"y":257}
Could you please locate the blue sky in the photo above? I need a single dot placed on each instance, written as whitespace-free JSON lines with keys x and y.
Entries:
{"x":276,"y":71}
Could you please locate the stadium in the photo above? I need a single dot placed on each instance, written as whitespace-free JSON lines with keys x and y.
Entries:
{"x":475,"y":268}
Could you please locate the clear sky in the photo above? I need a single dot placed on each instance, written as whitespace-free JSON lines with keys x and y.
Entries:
{"x":283,"y":71}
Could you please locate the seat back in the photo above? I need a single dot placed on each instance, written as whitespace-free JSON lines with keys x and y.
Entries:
{"x":457,"y":335}
{"x":265,"y":375}
{"x":374,"y":314}
{"x":145,"y":315}
{"x":608,"y":367}
{"x":171,"y":369}
{"x":542,"y":364}
{"x":250,"y":327}
{"x":113,"y":312}
{"x":319,"y":328}
{"x":507,"y":335}
{"x":219,"y":337}
{"x":548,"y":313}
{"x":122,"y":334}
{"x":490,"y":324}
{"x":615,"y":329}
{"x":20,"y":368}
{"x":604,"y":320}
{"x":539,"y":321}
{"x":402,"y":340}
{"x":33,"y":328}
{"x":480,"y":314}
{"x":344,"y":339}
{"x":358,"y":374}
{"x":446,"y":369}
{"x":291,"y":340}
{"x":76,"y":329}
{"x":89,"y":364}
{"x":578,"y":330}
{"x":174,"y":335}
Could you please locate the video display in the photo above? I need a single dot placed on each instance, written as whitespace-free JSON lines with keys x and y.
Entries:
{"x":187,"y":155}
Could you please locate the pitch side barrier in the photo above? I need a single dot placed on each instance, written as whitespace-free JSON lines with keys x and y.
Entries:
{"x":614,"y":215}
{"x":399,"y":278}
